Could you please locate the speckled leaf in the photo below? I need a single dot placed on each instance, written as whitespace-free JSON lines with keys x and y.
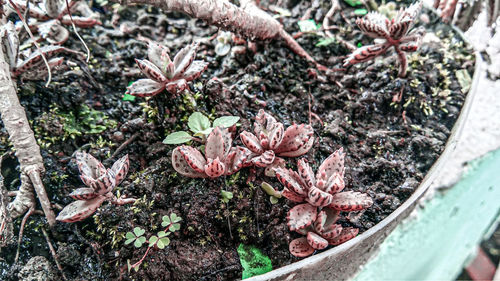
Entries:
{"x":350,"y":201}
{"x":80,"y":210}
{"x":301,"y":216}
{"x":300,"y":248}
{"x":145,"y":88}
{"x":189,"y":162}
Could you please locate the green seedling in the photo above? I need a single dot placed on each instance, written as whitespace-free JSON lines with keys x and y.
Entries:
{"x":200,"y":126}
{"x":274,"y":195}
{"x":158,"y":241}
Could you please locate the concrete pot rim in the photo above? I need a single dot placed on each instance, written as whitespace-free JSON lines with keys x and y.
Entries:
{"x":287,"y":272}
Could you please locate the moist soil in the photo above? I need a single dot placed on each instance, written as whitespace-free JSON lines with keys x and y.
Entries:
{"x":391,"y":129}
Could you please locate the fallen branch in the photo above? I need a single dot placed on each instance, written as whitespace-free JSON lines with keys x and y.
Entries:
{"x":247,"y":20}
{"x":27,"y":150}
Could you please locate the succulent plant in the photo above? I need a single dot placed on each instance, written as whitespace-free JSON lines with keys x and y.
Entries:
{"x":32,"y":67}
{"x":219,"y":159}
{"x":324,"y":189}
{"x":395,"y":32}
{"x":324,"y":192}
{"x":54,"y":14}
{"x":319,"y":228}
{"x":270,"y":140}
{"x":100,"y":183}
{"x":163,"y":73}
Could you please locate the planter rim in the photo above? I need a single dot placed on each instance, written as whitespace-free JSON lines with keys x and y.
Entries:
{"x":410,"y":203}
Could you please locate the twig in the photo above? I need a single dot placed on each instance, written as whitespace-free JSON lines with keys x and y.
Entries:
{"x":21,"y":231}
{"x":54,"y":255}
{"x":76,"y":32}
{"x":124,"y":144}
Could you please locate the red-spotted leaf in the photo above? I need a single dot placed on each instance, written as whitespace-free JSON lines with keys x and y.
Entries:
{"x":316,"y":241}
{"x":80,"y":210}
{"x":300,"y":248}
{"x":83,"y":193}
{"x":346,"y":234}
{"x":145,"y":88}
{"x":189,"y":162}
{"x":350,"y":201}
{"x":301,"y":216}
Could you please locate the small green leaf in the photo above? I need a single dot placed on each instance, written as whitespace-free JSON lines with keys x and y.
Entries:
{"x":273,"y":200}
{"x":175,"y":218}
{"x":138,"y":231}
{"x":270,"y":190}
{"x":360,"y":45}
{"x":166,"y":241}
{"x":198,"y":122}
{"x":128,"y":241}
{"x":129,"y":266}
{"x":175,"y":227}
{"x":162,"y":234}
{"x":464,"y":79}
{"x":128,"y":97}
{"x":226,"y":196}
{"x":177,"y":138}
{"x":307,"y":25}
{"x":130,"y":235}
{"x":353,"y":3}
{"x":226,"y":121}
{"x":325,"y":41}
{"x":360,"y":12}
{"x":152,"y":240}
{"x":138,"y":243}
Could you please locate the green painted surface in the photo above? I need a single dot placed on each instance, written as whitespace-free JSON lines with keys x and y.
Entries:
{"x":435,"y":243}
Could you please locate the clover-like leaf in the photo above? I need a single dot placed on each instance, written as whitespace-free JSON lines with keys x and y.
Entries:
{"x":139,"y":241}
{"x":165,"y":221}
{"x":162,"y":234}
{"x":163,"y":242}
{"x":174,"y":218}
{"x":226,"y":196}
{"x":138,"y":231}
{"x":175,"y":226}
{"x":152,"y":240}
{"x":225,"y":121}
{"x":177,"y":138}
{"x":130,"y":238}
{"x":199,"y":123}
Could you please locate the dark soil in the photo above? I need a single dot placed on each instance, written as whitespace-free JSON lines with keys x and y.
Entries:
{"x":390,"y":143}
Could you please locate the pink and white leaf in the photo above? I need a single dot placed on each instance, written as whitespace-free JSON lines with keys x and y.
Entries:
{"x":251,"y":142}
{"x":237,"y":158}
{"x":189,"y":162}
{"x":365,"y":53}
{"x":215,"y":146}
{"x":84,"y":22}
{"x":177,"y":86}
{"x":297,"y":141}
{"x":151,"y":70}
{"x":289,"y":179}
{"x":334,"y":163}
{"x":145,"y":88}
{"x":215,"y":168}
{"x":346,"y":234}
{"x":194,"y":71}
{"x":301,"y":216}
{"x":264,"y":160}
{"x":158,"y":55}
{"x":120,"y":169}
{"x":89,"y":166}
{"x":316,"y":241}
{"x":306,"y":173}
{"x":80,"y":210}
{"x":350,"y":201}
{"x":318,"y":197}
{"x":292,"y":196}
{"x":300,"y":248}
{"x":83,"y":193}
{"x":374,"y":25}
{"x":184,"y":58}
{"x":275,"y":135}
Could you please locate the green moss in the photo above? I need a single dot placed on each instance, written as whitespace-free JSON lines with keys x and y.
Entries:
{"x":253,"y":261}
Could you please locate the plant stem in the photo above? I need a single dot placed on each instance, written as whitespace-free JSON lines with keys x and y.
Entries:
{"x":27,"y":150}
{"x":248,"y":20}
{"x":147,"y":251}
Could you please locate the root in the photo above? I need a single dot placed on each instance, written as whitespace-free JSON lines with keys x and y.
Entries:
{"x":54,"y":255}
{"x":27,"y":150}
{"x":21,"y":231}
{"x":248,"y":20}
